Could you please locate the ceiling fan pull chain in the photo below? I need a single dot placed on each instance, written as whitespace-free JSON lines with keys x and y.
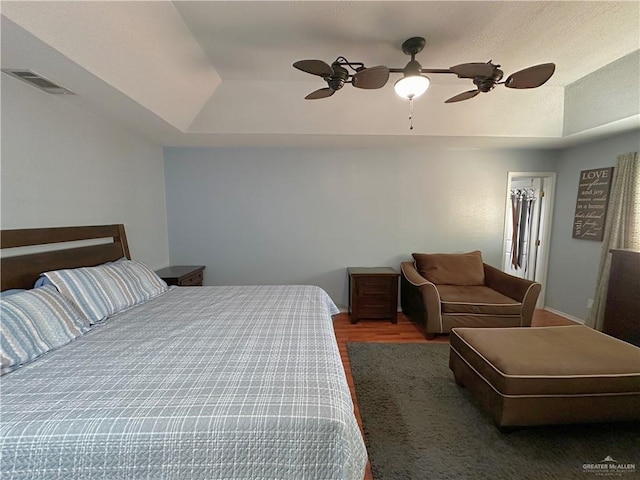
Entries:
{"x":411,"y":113}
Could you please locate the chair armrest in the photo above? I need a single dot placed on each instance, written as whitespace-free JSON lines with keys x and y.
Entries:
{"x":420,"y":298}
{"x":411,"y":274}
{"x":509,"y":285}
{"x":520,"y":289}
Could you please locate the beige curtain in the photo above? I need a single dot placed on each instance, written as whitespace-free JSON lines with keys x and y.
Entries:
{"x":622,"y":227}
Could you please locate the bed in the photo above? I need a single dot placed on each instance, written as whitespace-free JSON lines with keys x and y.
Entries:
{"x":235,"y":382}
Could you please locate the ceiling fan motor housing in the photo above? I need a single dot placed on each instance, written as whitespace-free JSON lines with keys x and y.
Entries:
{"x":339,"y":77}
{"x":486,"y":84}
{"x":412,"y":68}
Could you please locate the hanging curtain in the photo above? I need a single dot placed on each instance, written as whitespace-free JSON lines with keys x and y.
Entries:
{"x":522,"y":201}
{"x":622,"y":227}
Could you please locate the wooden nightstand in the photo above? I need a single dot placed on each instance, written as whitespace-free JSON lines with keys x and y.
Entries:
{"x":182,"y":275}
{"x":373,"y":293}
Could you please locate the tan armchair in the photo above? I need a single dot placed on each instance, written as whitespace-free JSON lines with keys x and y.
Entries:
{"x":443,"y":291}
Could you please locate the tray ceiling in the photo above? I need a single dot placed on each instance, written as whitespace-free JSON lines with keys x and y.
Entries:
{"x":219,"y":73}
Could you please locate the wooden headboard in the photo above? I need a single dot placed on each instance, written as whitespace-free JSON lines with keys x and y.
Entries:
{"x":23,"y":270}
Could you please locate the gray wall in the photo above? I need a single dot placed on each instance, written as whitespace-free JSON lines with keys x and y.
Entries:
{"x":64,"y":166}
{"x":288,"y":215}
{"x":292,"y":215}
{"x":607,"y":95}
{"x":573,"y":263}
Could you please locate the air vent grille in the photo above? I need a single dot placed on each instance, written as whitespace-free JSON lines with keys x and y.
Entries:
{"x":38,"y":81}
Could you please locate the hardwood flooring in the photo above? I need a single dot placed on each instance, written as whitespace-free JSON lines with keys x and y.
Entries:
{"x":404,"y":331}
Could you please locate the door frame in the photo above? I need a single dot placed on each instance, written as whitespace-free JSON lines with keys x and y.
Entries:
{"x":542,"y":255}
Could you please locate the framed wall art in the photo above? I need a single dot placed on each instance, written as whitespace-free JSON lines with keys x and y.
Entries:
{"x":591,"y":205}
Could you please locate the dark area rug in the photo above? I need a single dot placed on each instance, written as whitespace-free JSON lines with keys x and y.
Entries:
{"x":419,"y":425}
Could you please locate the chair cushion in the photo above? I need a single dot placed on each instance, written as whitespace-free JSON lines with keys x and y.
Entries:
{"x":451,"y":268}
{"x":476,"y":300}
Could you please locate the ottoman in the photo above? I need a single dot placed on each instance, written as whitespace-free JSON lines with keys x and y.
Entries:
{"x":548,"y":375}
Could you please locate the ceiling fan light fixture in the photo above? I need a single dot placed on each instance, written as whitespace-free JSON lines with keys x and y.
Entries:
{"x":412,"y":86}
{"x":485,"y":76}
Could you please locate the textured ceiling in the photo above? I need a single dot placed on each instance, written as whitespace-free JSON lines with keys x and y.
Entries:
{"x":219,"y":73}
{"x":260,"y":40}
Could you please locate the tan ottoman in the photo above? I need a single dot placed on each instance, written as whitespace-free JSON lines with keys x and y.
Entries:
{"x":548,"y":375}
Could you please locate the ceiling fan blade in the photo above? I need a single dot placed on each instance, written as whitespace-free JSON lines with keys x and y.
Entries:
{"x":371,"y":78}
{"x":471,"y":70}
{"x":322,"y":93}
{"x":463,"y":96}
{"x":531,"y":77}
{"x":314,"y":67}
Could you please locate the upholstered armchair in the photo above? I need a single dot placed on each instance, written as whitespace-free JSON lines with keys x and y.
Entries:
{"x":443,"y":291}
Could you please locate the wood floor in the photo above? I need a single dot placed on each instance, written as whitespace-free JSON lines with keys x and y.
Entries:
{"x":404,"y":331}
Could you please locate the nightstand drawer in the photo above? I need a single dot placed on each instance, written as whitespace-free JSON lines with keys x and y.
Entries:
{"x":375,"y":287}
{"x":182,"y":275}
{"x":375,"y":307}
{"x":192,"y":280}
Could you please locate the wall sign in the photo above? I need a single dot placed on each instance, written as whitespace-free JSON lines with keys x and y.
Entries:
{"x":591,"y":205}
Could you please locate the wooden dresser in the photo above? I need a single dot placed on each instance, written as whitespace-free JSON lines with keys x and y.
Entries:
{"x":622,"y":310}
{"x":373,"y":293}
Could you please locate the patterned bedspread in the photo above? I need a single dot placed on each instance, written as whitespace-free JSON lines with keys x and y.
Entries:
{"x":199,"y":383}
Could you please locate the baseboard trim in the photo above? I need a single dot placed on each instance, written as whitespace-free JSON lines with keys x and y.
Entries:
{"x":344,"y":309}
{"x":565,"y":315}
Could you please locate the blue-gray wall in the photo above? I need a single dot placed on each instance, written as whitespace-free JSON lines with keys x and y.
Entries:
{"x":573,"y":263}
{"x":587,"y":105}
{"x":62,"y":165}
{"x":303,"y":215}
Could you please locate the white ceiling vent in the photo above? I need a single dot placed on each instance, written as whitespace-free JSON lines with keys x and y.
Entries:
{"x":38,"y":81}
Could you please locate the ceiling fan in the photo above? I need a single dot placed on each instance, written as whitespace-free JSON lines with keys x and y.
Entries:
{"x":485,"y":76}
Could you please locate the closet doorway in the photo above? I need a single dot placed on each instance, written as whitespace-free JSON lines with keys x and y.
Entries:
{"x":527,"y":226}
